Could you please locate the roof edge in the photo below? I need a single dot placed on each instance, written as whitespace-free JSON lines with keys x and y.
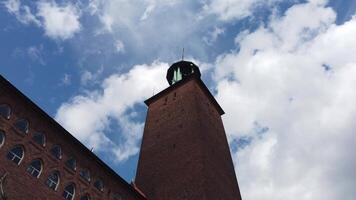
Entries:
{"x":194,"y":77}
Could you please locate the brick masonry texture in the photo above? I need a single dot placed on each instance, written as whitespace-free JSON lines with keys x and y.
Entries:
{"x":19,"y":184}
{"x":184,"y":152}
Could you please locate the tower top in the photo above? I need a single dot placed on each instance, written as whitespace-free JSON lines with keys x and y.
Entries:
{"x":180,"y":70}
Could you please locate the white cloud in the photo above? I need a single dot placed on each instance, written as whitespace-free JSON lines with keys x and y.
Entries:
{"x":22,"y":12}
{"x":88,"y":77}
{"x":99,"y":109}
{"x":59,"y":22}
{"x":148,"y":27}
{"x":120,"y":47}
{"x":93,"y":6}
{"x":13,"y":6}
{"x":66,"y":80}
{"x":107,"y":21}
{"x":35,"y":54}
{"x":148,"y":11}
{"x":228,"y":10}
{"x":277,"y":80}
{"x":211,"y":38}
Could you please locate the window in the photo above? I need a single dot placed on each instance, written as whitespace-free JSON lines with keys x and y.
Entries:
{"x":5,"y":111}
{"x":2,"y":138}
{"x":53,"y":180}
{"x":99,"y":185}
{"x":71,"y":163}
{"x":85,"y":197}
{"x":117,"y":197}
{"x":15,"y":154}
{"x":69,"y":192}
{"x":56,"y":151}
{"x":22,"y":125}
{"x":35,"y":168}
{"x":84,"y":173}
{"x":39,"y":138}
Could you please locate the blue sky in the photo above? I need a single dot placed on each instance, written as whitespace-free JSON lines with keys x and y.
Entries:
{"x":96,"y":61}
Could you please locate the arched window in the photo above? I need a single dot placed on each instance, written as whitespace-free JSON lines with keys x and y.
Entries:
{"x":2,"y":138}
{"x":53,"y":180}
{"x":35,"y":168}
{"x":84,"y":173}
{"x":39,"y":138}
{"x":5,"y":111}
{"x":99,"y":184}
{"x":16,"y":154}
{"x":117,"y":197}
{"x":71,"y":163}
{"x":56,"y":151}
{"x":69,"y":192}
{"x":85,"y":197}
{"x":22,"y":125}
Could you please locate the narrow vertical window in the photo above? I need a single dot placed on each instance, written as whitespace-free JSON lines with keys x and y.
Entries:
{"x":69,"y":192}
{"x":53,"y":180}
{"x":5,"y":111}
{"x":16,"y":154}
{"x":71,"y":163}
{"x":56,"y":151}
{"x":85,"y":174}
{"x":165,"y":101}
{"x":22,"y":125}
{"x":85,"y":197}
{"x":39,"y":138}
{"x":35,"y":168}
{"x":2,"y":138}
{"x":99,"y":184}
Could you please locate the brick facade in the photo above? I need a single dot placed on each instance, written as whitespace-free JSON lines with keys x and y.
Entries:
{"x":20,"y":184}
{"x":184,"y":152}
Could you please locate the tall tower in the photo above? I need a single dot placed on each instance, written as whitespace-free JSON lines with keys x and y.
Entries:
{"x":184,"y":153}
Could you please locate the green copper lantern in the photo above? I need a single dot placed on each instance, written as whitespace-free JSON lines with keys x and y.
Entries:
{"x":180,"y":70}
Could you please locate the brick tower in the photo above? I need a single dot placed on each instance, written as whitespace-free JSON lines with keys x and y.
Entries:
{"x":184,"y":153}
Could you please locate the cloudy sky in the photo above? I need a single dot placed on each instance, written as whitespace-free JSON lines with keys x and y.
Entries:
{"x":284,"y":71}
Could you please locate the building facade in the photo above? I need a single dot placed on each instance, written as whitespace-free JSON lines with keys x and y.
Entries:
{"x":184,"y":153}
{"x":40,"y":160}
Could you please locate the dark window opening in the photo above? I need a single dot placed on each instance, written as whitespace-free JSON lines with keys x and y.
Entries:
{"x":22,"y":125}
{"x":2,"y":138}
{"x":117,"y":197}
{"x":56,"y":152}
{"x":16,"y":154}
{"x":85,"y":174}
{"x":99,"y":185}
{"x":5,"y":111}
{"x":35,"y":168}
{"x":53,"y":181}
{"x":85,"y":197}
{"x":71,"y":163}
{"x":39,"y":138}
{"x":69,"y":192}
{"x":165,"y":101}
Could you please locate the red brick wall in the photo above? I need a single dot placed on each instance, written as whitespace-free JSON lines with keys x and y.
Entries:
{"x":19,"y":184}
{"x":184,"y":152}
